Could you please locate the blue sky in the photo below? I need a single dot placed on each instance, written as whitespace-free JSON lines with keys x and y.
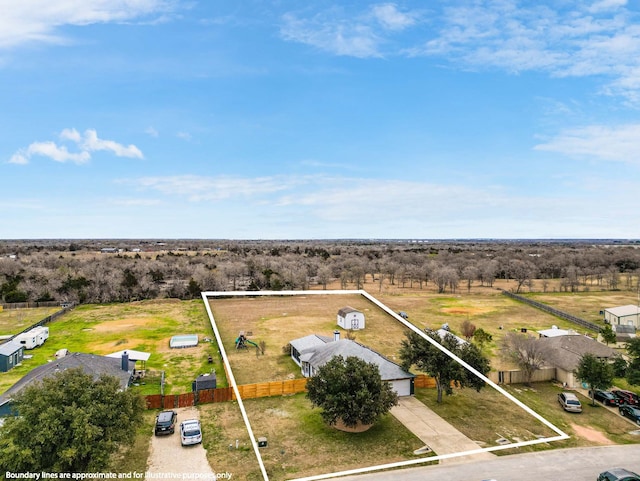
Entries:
{"x":282,"y":119}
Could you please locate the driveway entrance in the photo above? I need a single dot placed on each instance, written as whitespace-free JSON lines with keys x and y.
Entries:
{"x":434,"y":431}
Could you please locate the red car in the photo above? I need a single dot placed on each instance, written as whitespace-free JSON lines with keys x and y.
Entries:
{"x":626,"y":397}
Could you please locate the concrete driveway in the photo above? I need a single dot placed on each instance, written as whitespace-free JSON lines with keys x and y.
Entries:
{"x":434,"y":431}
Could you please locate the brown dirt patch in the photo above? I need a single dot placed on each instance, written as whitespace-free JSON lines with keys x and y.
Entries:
{"x":591,"y":435}
{"x":465,"y":310}
{"x":122,"y":324}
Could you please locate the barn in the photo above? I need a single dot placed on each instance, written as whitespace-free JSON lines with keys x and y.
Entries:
{"x":312,"y":352}
{"x":628,"y":315}
{"x":350,"y":318}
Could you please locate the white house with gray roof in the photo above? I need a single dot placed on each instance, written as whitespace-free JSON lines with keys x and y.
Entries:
{"x":312,"y":352}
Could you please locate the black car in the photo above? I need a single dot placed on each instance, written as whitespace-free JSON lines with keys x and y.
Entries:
{"x":605,"y":397}
{"x":618,"y":474}
{"x":631,"y":412}
{"x":166,"y":422}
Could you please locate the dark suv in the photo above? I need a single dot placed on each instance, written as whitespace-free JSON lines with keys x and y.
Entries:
{"x":618,"y":474}
{"x":166,"y":422}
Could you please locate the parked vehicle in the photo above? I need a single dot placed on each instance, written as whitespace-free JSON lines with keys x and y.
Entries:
{"x":605,"y":397}
{"x":190,"y":432}
{"x":570,"y":402}
{"x":626,"y":397}
{"x":166,"y":422}
{"x":619,"y":474}
{"x":630,"y":412}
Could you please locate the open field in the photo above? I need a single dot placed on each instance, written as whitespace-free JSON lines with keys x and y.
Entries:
{"x":586,"y":305}
{"x":13,"y":321}
{"x":301,"y":444}
{"x":278,"y":320}
{"x":143,"y":326}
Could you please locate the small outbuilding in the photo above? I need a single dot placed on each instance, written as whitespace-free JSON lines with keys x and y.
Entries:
{"x":11,"y":354}
{"x":628,"y":315}
{"x":204,"y":381}
{"x":350,"y":318}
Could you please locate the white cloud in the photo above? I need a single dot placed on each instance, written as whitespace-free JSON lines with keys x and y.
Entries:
{"x":340,"y":37}
{"x":91,"y":142}
{"x":151,"y":131}
{"x":620,"y":144}
{"x":393,"y":19}
{"x":85,"y":145}
{"x":566,"y":39}
{"x":39,"y":20}
{"x":198,"y":189}
{"x":57,"y":153}
{"x":184,"y":136}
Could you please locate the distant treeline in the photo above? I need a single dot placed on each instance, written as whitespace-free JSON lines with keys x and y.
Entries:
{"x":99,"y":271}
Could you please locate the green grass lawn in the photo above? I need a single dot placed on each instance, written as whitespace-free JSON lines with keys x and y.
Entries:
{"x":144,"y":326}
{"x":13,"y":321}
{"x":299,"y":442}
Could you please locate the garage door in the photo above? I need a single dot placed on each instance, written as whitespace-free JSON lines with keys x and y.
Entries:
{"x":402,"y":387}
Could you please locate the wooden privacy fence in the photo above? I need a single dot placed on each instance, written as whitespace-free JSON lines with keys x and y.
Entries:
{"x":517,"y":376}
{"x":247,"y":391}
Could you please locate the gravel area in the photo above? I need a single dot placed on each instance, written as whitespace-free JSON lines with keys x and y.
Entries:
{"x":168,"y":456}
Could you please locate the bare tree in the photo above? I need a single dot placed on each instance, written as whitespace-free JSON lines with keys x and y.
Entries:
{"x":527,"y":352}
{"x":468,"y":329}
{"x":470,"y":273}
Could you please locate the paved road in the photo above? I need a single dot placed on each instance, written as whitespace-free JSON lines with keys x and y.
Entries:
{"x":576,"y":464}
{"x":434,"y":431}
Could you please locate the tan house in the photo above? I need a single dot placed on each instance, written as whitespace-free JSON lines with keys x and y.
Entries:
{"x":565,"y":352}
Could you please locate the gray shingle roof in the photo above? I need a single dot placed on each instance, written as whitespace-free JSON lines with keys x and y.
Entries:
{"x":89,"y":363}
{"x":565,"y":352}
{"x":346,"y":310}
{"x":388,"y":370}
{"x":309,"y":343}
{"x":10,"y":347}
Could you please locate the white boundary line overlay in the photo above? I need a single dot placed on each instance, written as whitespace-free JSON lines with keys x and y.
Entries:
{"x":207,"y":294}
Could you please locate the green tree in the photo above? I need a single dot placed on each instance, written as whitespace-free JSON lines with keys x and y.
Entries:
{"x":350,"y":390}
{"x":597,"y":373}
{"x":633,"y":368}
{"x":69,"y":422}
{"x":194,"y":288}
{"x":608,"y":334}
{"x":482,"y":337}
{"x":447,"y":372}
{"x":619,"y":367}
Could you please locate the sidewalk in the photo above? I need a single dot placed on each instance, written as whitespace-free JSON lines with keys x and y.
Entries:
{"x":434,"y":431}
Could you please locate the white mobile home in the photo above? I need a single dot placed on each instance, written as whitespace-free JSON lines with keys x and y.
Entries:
{"x":28,"y":340}
{"x":42,"y":334}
